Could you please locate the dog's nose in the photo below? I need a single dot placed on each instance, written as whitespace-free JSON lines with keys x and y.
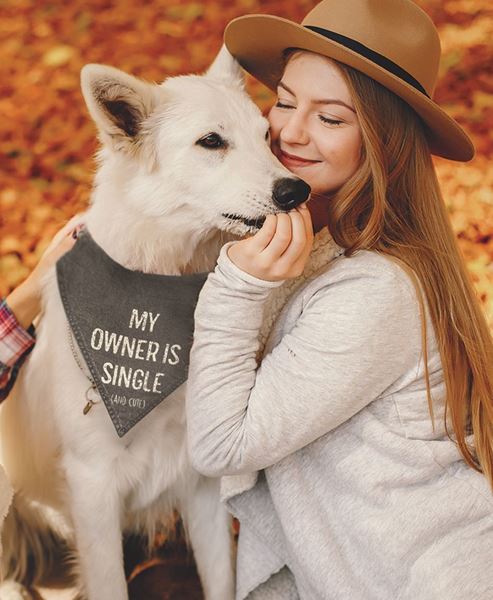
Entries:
{"x":288,"y":192}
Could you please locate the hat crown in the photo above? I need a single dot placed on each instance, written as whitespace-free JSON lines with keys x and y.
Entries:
{"x":397,"y":29}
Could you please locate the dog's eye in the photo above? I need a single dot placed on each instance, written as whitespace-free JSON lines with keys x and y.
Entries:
{"x":213,"y":141}
{"x":267,"y":136}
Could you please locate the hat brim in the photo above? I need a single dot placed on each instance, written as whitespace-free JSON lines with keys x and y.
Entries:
{"x":257,"y":42}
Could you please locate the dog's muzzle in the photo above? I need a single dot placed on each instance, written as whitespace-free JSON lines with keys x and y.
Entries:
{"x":288,"y":193}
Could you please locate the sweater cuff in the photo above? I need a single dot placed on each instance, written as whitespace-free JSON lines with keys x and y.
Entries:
{"x":228,"y":267}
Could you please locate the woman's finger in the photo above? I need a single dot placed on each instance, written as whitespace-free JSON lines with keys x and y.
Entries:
{"x":258,"y":242}
{"x":67,"y":229}
{"x":280,"y":240}
{"x":52,"y":254}
{"x":299,"y":240}
{"x":307,"y":219}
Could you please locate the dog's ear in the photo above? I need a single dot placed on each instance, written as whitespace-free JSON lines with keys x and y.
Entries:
{"x":226,"y":68}
{"x":119,"y":105}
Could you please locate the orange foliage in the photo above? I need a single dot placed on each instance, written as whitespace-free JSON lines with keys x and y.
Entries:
{"x":47,"y":138}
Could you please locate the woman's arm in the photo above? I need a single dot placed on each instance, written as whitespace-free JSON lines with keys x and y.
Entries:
{"x":25,"y":300}
{"x":17,"y":311}
{"x":355,"y":337}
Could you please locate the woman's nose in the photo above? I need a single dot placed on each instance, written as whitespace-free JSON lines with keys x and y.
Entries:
{"x":294,"y":129}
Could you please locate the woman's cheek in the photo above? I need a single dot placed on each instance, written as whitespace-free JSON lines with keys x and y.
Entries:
{"x":275,"y":126}
{"x":344,"y":151}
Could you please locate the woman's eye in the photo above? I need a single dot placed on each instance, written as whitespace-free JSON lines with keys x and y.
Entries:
{"x":279,"y":104}
{"x":212,"y":141}
{"x":330,"y":121}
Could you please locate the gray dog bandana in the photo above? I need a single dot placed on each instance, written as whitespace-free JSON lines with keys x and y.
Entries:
{"x":134,"y":329}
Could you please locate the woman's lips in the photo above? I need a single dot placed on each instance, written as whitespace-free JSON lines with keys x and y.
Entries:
{"x":290,"y":160}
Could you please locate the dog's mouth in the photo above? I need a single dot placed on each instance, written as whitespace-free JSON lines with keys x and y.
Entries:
{"x":255,"y":223}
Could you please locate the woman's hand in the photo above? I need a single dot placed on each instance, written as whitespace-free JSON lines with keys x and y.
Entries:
{"x":25,"y":300}
{"x":280,"y":249}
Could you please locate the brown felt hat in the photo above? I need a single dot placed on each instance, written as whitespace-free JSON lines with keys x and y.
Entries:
{"x":392,"y":41}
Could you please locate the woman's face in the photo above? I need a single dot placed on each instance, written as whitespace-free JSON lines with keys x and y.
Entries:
{"x":314,"y":129}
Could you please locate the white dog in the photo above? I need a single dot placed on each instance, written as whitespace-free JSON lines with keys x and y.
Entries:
{"x":184,"y":167}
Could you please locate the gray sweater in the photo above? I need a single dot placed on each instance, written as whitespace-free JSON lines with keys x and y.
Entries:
{"x":343,"y":490}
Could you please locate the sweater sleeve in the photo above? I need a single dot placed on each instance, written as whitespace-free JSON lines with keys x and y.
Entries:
{"x":357,"y":334}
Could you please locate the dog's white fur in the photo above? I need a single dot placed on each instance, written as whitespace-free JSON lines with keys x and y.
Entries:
{"x":158,"y":207}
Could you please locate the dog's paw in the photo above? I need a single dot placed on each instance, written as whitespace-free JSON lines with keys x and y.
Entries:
{"x":11,"y":590}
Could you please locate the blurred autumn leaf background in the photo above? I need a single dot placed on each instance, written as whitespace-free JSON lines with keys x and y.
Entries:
{"x":47,"y":139}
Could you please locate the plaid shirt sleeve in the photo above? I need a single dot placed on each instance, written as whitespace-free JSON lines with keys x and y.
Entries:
{"x":15,"y":344}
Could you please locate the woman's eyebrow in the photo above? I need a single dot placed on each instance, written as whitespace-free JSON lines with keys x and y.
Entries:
{"x":327,"y":101}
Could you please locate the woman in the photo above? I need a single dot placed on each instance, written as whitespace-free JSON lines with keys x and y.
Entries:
{"x":359,"y":452}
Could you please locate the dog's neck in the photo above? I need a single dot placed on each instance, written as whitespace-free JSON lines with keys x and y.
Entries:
{"x":137,"y":243}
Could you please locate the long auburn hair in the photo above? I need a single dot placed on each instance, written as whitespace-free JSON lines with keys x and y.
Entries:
{"x":393,"y":205}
